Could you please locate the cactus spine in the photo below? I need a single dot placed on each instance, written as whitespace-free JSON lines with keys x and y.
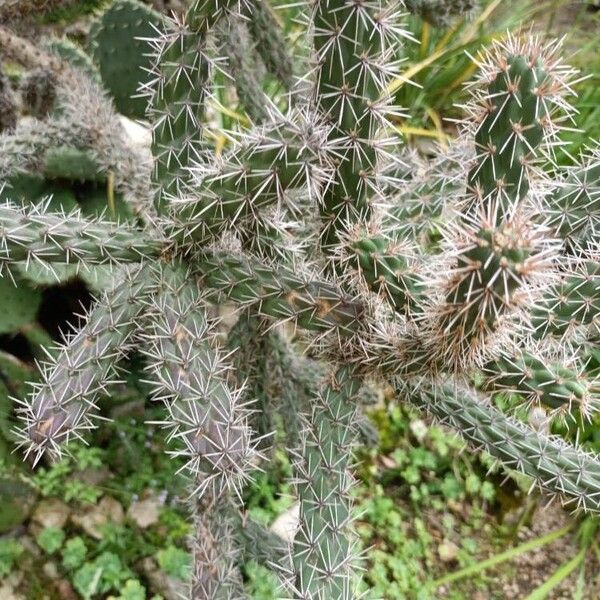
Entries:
{"x":494,"y":299}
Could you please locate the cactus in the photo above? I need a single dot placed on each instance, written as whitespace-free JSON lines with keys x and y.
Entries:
{"x":118,"y":48}
{"x":38,"y":92}
{"x":476,"y":286}
{"x":8,"y":105}
{"x":440,"y":13}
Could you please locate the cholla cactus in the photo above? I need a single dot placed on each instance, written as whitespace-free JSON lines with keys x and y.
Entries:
{"x":512,"y":286}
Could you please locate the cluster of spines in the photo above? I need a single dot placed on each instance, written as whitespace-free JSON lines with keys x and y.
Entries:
{"x":207,"y":419}
{"x":63,"y":406}
{"x":324,"y":553}
{"x":8,"y":105}
{"x":512,"y":124}
{"x":32,"y":235}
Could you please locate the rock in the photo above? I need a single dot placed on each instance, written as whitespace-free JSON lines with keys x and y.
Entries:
{"x":9,"y":585}
{"x":448,"y":551}
{"x":51,"y":513}
{"x":92,"y":519}
{"x":65,"y":590}
{"x":286,"y":524}
{"x":50,"y":570}
{"x":145,"y":512}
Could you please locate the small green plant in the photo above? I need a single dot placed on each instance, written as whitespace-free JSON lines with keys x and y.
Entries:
{"x":175,"y":562}
{"x":74,"y":553}
{"x":10,"y":551}
{"x":50,"y":539}
{"x":312,"y":218}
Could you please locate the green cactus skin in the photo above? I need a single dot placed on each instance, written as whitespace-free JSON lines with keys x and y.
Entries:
{"x":285,"y":153}
{"x":575,"y":203}
{"x":441,"y":13}
{"x":511,"y":120}
{"x":207,"y":420}
{"x":388,"y":268}
{"x":349,"y":52}
{"x":177,"y":92}
{"x":63,"y":406}
{"x":572,"y":304}
{"x":556,"y":467}
{"x":20,"y":302}
{"x":270,"y":43}
{"x":323,"y":552}
{"x":484,"y":288}
{"x":560,"y":389}
{"x":118,"y":47}
{"x":278,"y":293}
{"x":38,"y":92}
{"x":31,"y":235}
{"x":229,"y":222}
{"x":241,"y":66}
{"x":65,"y":162}
{"x":74,"y":56}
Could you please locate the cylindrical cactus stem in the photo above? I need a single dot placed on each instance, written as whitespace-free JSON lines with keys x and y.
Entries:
{"x":38,"y":92}
{"x":9,"y":109}
{"x":63,"y":405}
{"x":177,"y":93}
{"x":556,"y":467}
{"x":17,"y":9}
{"x":278,"y":292}
{"x":574,"y":205}
{"x":441,"y":13}
{"x":215,"y":572}
{"x":85,"y":119}
{"x":573,"y":303}
{"x":355,"y":45}
{"x":497,"y":270}
{"x":21,"y":51}
{"x":512,"y":113}
{"x":562,"y":388}
{"x":270,"y":42}
{"x":286,"y":153}
{"x":31,"y":235}
{"x":207,"y":419}
{"x":241,"y":66}
{"x":324,"y":552}
{"x":387,"y":267}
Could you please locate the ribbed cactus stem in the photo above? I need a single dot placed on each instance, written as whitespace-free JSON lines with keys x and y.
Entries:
{"x":573,"y":303}
{"x":63,"y":406}
{"x":278,"y":292}
{"x":497,"y":270}
{"x":514,"y":116}
{"x":324,"y":552}
{"x":574,"y":206}
{"x":562,"y":389}
{"x":354,"y":44}
{"x":555,"y":467}
{"x":215,"y":574}
{"x":236,"y":46}
{"x":270,"y":42}
{"x":9,"y":108}
{"x":34,"y":236}
{"x":207,"y":419}
{"x":286,"y":153}
{"x":388,"y":267}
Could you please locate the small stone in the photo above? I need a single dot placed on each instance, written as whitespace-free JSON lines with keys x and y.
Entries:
{"x":93,"y":519}
{"x":51,"y":513}
{"x":144,"y":513}
{"x":448,"y":551}
{"x":286,"y":524}
{"x":50,"y":570}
